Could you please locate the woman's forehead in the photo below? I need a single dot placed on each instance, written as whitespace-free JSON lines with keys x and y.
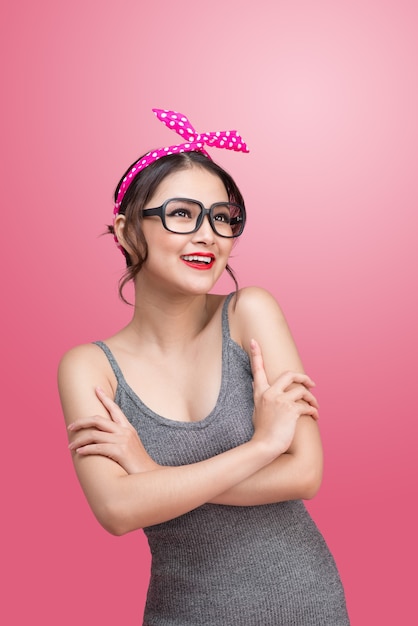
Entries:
{"x":194,"y":182}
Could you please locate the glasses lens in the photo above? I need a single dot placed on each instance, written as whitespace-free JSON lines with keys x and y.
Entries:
{"x":181,"y":215}
{"x":228,"y":219}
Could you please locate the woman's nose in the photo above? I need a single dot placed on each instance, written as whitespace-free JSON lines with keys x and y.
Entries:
{"x":205,"y":232}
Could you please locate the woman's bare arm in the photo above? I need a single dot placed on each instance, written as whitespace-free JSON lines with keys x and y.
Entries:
{"x":123,"y":502}
{"x":298,"y":473}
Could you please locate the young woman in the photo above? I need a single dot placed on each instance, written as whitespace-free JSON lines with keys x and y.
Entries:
{"x":196,"y":422}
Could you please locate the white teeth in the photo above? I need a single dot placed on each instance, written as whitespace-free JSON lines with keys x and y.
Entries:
{"x":202,"y":259}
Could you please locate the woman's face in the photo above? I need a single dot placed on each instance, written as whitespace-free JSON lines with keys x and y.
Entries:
{"x":190,"y":263}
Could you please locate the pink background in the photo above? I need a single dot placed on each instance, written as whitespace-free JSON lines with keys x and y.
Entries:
{"x":326,"y":95}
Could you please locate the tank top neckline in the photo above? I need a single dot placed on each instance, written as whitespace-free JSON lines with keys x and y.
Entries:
{"x":122,"y":384}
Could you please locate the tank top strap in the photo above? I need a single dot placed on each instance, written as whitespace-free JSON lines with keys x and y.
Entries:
{"x":113,"y":363}
{"x":225,"y":320}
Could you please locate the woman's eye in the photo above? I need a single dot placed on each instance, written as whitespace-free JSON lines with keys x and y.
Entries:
{"x":222,"y":217}
{"x":180,"y":213}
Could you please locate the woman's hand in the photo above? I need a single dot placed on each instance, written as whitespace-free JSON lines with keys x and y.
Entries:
{"x":279,"y":406}
{"x":114,"y":438}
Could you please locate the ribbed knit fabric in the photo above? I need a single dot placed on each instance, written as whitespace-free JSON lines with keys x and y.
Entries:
{"x":223,"y":565}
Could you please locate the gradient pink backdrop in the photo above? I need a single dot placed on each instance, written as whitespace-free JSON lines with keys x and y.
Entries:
{"x":325,"y":94}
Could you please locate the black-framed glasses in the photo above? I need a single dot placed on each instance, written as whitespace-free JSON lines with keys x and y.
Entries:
{"x":184,"y":216}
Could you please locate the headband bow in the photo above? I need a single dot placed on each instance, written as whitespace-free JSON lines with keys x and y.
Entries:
{"x":228,"y":139}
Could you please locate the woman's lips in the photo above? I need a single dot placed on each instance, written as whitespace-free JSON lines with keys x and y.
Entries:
{"x":199,"y":260}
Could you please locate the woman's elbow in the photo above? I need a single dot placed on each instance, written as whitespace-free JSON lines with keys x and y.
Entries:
{"x":113,"y":527}
{"x":312,"y":481}
{"x":114,"y":519}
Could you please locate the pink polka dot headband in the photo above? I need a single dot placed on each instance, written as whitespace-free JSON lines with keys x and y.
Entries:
{"x":228,"y":139}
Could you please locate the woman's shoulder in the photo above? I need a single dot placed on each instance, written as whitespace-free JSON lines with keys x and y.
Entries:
{"x":253,"y":302}
{"x":81,"y":354}
{"x":83,"y":363}
{"x":254,"y":312}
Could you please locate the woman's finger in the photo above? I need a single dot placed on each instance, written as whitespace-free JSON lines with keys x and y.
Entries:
{"x":257,"y":367}
{"x":86,"y":437}
{"x":102,"y":449}
{"x":97,"y":422}
{"x":111,"y":406}
{"x":300,"y":392}
{"x":308,"y":409}
{"x":286,"y":379}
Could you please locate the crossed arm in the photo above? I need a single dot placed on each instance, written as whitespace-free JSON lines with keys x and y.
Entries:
{"x":126,"y":489}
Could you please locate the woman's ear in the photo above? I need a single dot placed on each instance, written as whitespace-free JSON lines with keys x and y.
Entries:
{"x":118,"y":227}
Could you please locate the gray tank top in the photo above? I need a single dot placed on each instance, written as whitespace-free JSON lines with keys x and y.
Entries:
{"x":223,"y":565}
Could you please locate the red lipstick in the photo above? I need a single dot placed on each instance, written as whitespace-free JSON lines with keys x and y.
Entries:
{"x":199,"y":260}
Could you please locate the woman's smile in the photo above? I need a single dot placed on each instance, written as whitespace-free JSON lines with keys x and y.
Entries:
{"x":199,"y":260}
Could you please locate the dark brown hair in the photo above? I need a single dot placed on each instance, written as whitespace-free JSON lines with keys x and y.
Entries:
{"x":143,"y":187}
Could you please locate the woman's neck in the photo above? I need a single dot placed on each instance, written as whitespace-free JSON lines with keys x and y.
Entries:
{"x":169,"y":322}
